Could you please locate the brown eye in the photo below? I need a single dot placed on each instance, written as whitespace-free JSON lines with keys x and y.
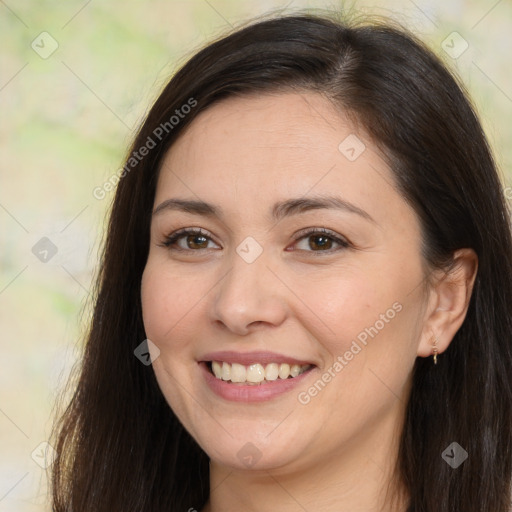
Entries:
{"x":321,"y":240}
{"x":187,"y":240}
{"x":196,"y":241}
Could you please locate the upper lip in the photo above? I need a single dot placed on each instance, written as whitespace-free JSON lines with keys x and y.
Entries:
{"x":247,"y":358}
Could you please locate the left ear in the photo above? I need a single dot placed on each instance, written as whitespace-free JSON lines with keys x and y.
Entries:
{"x":448,"y":303}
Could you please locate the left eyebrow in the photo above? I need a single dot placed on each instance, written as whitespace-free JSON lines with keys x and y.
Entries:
{"x":189,"y":206}
{"x":280,"y":210}
{"x":303,"y":204}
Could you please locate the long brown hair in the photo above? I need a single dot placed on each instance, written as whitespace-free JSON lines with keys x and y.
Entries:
{"x":121,"y":448}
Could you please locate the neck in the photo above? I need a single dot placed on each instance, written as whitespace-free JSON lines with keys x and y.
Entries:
{"x":356,"y":478}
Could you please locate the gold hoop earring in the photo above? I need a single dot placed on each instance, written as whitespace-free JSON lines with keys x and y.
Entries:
{"x":435,"y":349}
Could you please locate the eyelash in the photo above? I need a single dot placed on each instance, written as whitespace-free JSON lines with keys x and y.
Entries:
{"x":170,"y":240}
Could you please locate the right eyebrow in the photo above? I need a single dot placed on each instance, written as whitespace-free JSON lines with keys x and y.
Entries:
{"x":189,"y":206}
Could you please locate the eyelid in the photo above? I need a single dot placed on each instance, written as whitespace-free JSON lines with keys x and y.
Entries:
{"x":171,"y":239}
{"x":342,"y":241}
{"x":318,"y":230}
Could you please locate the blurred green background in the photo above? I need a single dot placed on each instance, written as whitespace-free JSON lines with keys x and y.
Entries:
{"x":76,"y":78}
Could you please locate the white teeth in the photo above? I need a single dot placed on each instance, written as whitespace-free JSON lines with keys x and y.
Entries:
{"x":226,"y":371}
{"x":294,"y":370}
{"x":256,"y":372}
{"x":284,"y":371}
{"x":217,"y":369}
{"x":271,"y":371}
{"x":238,"y":372}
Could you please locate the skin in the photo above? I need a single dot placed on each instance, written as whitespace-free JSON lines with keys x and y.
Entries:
{"x":337,"y":451}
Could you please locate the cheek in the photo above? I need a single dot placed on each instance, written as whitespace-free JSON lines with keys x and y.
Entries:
{"x":341,"y":304}
{"x":368,"y":315}
{"x":165,"y":304}
{"x":367,"y":330}
{"x":154,"y":298}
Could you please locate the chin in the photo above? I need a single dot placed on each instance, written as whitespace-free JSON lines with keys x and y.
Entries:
{"x":254,"y":449}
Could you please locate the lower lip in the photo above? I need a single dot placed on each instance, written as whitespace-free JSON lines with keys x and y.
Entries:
{"x":251,"y":393}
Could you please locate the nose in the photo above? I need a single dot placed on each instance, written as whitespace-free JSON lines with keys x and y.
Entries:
{"x":249,"y":296}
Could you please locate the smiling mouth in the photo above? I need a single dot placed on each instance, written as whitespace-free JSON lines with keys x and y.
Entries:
{"x":256,"y":373}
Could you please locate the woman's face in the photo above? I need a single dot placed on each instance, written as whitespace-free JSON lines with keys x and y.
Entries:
{"x":261,"y":289}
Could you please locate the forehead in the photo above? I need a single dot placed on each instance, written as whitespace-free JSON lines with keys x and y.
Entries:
{"x":248,"y":149}
{"x":281,"y":124}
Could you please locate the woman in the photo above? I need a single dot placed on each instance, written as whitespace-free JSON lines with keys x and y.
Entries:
{"x":303,"y":301}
